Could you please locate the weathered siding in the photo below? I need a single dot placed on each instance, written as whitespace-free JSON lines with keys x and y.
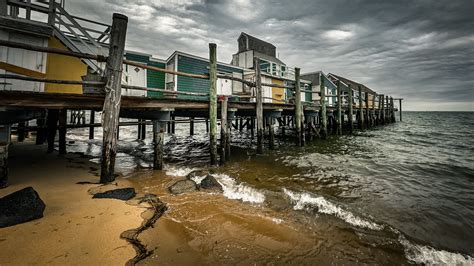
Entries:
{"x":196,"y":66}
{"x":278,"y":94}
{"x":155,"y":79}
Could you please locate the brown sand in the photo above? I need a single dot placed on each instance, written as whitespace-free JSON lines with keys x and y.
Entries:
{"x":75,"y":229}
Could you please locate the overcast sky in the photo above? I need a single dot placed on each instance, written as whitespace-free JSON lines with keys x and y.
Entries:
{"x":422,"y":51}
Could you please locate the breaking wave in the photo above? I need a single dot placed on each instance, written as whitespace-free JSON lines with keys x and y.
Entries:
{"x":420,"y":254}
{"x":305,"y":201}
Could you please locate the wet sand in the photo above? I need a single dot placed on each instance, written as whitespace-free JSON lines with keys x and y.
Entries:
{"x":75,"y":229}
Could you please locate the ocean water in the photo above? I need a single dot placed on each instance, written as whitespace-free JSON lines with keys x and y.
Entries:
{"x":407,"y":187}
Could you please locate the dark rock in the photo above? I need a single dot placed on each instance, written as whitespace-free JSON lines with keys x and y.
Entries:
{"x":210,"y":182}
{"x":196,"y":173}
{"x":183,"y":186}
{"x":120,"y":193}
{"x":20,"y":206}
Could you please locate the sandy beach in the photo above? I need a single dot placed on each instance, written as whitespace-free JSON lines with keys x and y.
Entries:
{"x":75,"y":229}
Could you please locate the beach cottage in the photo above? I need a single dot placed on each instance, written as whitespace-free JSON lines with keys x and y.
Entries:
{"x":314,"y":79}
{"x":188,"y":63}
{"x":136,"y":76}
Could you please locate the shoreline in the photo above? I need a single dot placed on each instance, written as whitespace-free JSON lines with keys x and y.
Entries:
{"x":74,"y":227}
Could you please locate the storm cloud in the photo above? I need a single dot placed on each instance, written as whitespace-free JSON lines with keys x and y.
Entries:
{"x":421,"y":50}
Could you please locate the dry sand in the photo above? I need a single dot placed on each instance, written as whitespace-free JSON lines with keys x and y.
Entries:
{"x":75,"y":229}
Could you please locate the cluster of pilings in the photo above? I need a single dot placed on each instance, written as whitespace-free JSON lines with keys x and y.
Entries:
{"x":303,"y":120}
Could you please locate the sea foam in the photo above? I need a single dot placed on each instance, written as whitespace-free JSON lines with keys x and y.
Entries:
{"x":306,"y":201}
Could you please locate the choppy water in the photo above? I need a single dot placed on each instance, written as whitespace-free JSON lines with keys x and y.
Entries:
{"x":411,"y":182}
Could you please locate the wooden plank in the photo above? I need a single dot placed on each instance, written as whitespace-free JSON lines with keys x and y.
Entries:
{"x":158,"y":143}
{"x":361,"y":109}
{"x":339,"y":108}
{"x":224,"y":129}
{"x":111,"y":109}
{"x":213,"y":102}
{"x":54,"y":81}
{"x":21,"y":70}
{"x":350,"y":111}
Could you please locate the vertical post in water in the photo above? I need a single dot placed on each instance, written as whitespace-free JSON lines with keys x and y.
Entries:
{"x":158,"y":142}
{"x":4,"y":143}
{"x":392,"y":110}
{"x":20,"y":131}
{"x":259,"y":107}
{"x":361,"y":109}
{"x":400,"y":108}
{"x":339,"y":108}
{"x":381,"y":109}
{"x":228,"y":136}
{"x":52,"y":126}
{"x":40,"y":132}
{"x":223,"y":129}
{"x":271,"y":133}
{"x":386,"y":114}
{"x":62,"y":131}
{"x":350,"y":111}
{"x":298,"y":109}
{"x":113,"y":93}
{"x":367,"y":116}
{"x":191,"y":126}
{"x":374,"y":117}
{"x":324,"y":119}
{"x":91,"y":121}
{"x":213,"y":102}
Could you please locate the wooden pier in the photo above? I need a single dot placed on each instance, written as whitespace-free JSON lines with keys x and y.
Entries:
{"x":302,"y":120}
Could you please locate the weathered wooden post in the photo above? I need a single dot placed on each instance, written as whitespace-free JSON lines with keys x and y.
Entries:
{"x":5,"y":132}
{"x":324,"y":119}
{"x":62,"y":131}
{"x":228,"y":136}
{"x":339,"y":108}
{"x":213,"y":102}
{"x":298,"y":108}
{"x":91,"y":121}
{"x":224,"y":129}
{"x":381,"y":106}
{"x":367,"y":115}
{"x":392,"y":110}
{"x":191,"y":126}
{"x":361,"y":109}
{"x":350,"y":113}
{"x":40,"y":132}
{"x":52,"y":124}
{"x":113,"y":93}
{"x":259,"y":107}
{"x":20,"y":131}
{"x":173,"y":124}
{"x":158,"y":142}
{"x":271,"y":133}
{"x":400,"y":108}
{"x":387,"y":114}
{"x":374,"y":117}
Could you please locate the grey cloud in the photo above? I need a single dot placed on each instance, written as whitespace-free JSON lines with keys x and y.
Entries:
{"x":421,"y":50}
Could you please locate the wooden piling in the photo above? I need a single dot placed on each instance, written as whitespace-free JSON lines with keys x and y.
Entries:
{"x":213,"y":102}
{"x":143,"y":130}
{"x":113,"y":93}
{"x":173,"y":124}
{"x":223,"y":130}
{"x":339,"y":109}
{"x":324,"y":119}
{"x":207,"y":125}
{"x":367,"y":114}
{"x":158,"y":142}
{"x":374,"y":118}
{"x":259,"y":105}
{"x":3,"y":165}
{"x":400,"y":108}
{"x":91,"y":121}
{"x":350,"y":111}
{"x":381,"y":109}
{"x":361,"y":110}
{"x":20,"y":131}
{"x":387,"y":114}
{"x":271,"y":133}
{"x":392,"y":110}
{"x":298,"y":108}
{"x":191,"y":126}
{"x":52,"y":124}
{"x":62,"y":131}
{"x":40,"y":132}
{"x":228,"y":137}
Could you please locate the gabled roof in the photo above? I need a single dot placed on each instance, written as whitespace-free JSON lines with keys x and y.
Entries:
{"x":255,"y":38}
{"x":315,"y":81}
{"x":354,"y":85}
{"x":268,"y":58}
{"x":199,"y":58}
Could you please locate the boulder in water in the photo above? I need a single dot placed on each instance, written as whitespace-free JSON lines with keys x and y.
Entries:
{"x":210,"y":182}
{"x":197,"y":173}
{"x":20,"y":206}
{"x":120,"y":193}
{"x":182,"y":186}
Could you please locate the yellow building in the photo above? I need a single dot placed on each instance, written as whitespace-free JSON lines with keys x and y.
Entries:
{"x":278,"y":94}
{"x":63,"y":68}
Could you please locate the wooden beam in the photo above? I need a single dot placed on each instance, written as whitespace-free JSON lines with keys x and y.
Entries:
{"x":298,"y":109}
{"x":213,"y":102}
{"x":361,"y":109}
{"x":224,"y":129}
{"x":324,"y":119}
{"x":259,"y":104}
{"x":400,"y":108}
{"x":55,"y":81}
{"x":339,"y":108}
{"x":158,"y":142}
{"x":21,"y":70}
{"x":351,"y":111}
{"x":111,"y":110}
